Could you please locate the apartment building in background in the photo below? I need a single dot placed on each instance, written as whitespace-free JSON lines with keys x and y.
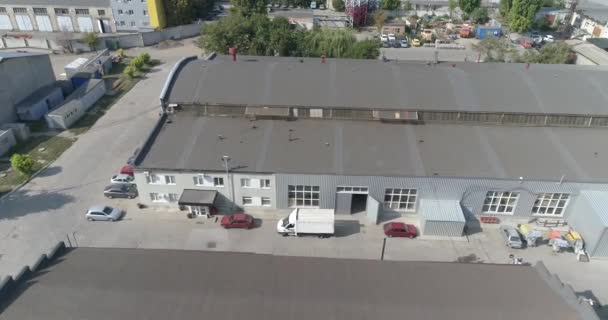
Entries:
{"x":57,"y":16}
{"x":138,"y":15}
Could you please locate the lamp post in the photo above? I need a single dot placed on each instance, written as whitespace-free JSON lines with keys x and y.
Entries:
{"x":226,"y":160}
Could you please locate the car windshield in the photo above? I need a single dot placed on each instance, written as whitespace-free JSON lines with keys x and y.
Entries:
{"x":107,"y":210}
{"x":285,"y":222}
{"x":514,"y":239}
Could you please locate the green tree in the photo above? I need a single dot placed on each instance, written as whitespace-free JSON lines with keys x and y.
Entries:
{"x":366,"y":49}
{"x":390,"y":4}
{"x":452,"y":5}
{"x":90,"y":39}
{"x":523,"y":14}
{"x":505,"y":8}
{"x":23,"y":163}
{"x":379,"y":20}
{"x":494,"y":49}
{"x":250,"y":7}
{"x":480,"y":15}
{"x":180,"y":12}
{"x":552,"y":53}
{"x":137,"y":63}
{"x":145,"y":57}
{"x":407,"y":5}
{"x":129,"y":71}
{"x":338,"y":5}
{"x":468,"y":6}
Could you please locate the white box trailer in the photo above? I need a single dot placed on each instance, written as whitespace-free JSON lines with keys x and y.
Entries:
{"x":320,"y":222}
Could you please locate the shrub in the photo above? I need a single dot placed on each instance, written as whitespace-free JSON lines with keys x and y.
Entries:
{"x":137,"y":63}
{"x":121,"y":53}
{"x":23,"y":163}
{"x":145,"y":57}
{"x":129,"y":71}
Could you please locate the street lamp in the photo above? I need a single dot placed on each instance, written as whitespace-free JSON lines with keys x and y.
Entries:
{"x":226,"y":160}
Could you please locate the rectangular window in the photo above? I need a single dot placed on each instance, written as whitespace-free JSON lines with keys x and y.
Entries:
{"x":153,"y":179}
{"x":173,"y":197}
{"x":265,"y":183}
{"x":101,"y":13}
{"x":218,"y":182}
{"x":265,"y":202}
{"x":19,"y":10}
{"x":120,"y":12}
{"x":551,"y":204}
{"x":132,"y":23}
{"x":82,"y":11}
{"x":500,"y":202}
{"x":2,"y":10}
{"x":362,"y":190}
{"x":62,"y":11}
{"x":303,"y":196}
{"x":130,"y":12}
{"x":170,"y":179}
{"x":245,"y":183}
{"x":163,"y":197}
{"x":145,"y":12}
{"x":40,"y":11}
{"x":400,"y":199}
{"x":247,"y":201}
{"x":154,"y":197}
{"x":122,"y":23}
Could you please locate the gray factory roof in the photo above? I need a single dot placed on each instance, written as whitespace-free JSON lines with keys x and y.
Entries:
{"x":13,"y":55}
{"x":100,"y":284}
{"x":597,"y":10}
{"x":67,"y":3}
{"x":379,"y":149}
{"x":484,"y":87}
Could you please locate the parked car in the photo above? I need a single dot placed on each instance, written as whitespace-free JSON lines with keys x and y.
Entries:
{"x":391,"y":37}
{"x":416,"y":43}
{"x":396,"y":44}
{"x":383,"y":38}
{"x":103,"y":213}
{"x":400,"y":229}
{"x":537,"y":39}
{"x":127,"y":169}
{"x":128,"y":191}
{"x":404,"y":43}
{"x":237,"y":220}
{"x":512,"y":237}
{"x":385,"y":44}
{"x":122,"y":178}
{"x":548,"y":38}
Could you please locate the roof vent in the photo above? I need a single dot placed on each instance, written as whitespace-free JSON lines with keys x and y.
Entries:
{"x":220,"y":137}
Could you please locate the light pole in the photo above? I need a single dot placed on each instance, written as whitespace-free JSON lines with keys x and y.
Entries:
{"x":226,"y":160}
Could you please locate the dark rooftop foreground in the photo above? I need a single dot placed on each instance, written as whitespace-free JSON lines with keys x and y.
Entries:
{"x":101,"y":284}
{"x":409,"y":85}
{"x":378,"y":149}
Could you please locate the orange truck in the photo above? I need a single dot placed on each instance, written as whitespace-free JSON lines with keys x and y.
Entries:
{"x":466,"y":32}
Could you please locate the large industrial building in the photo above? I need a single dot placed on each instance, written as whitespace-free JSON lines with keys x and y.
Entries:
{"x":442,"y":142}
{"x":57,"y":15}
{"x":169,"y":284}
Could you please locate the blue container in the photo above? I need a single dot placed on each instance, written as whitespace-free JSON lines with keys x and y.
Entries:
{"x":78,"y":81}
{"x":484,"y":32}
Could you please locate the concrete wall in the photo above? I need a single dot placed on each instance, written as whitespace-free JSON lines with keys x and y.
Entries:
{"x":7,"y":141}
{"x":39,"y":108}
{"x":185,"y":180}
{"x":589,"y":224}
{"x":20,"y":77}
{"x":179,"y":32}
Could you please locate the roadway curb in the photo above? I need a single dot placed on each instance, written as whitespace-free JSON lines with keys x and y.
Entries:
{"x":34,"y":175}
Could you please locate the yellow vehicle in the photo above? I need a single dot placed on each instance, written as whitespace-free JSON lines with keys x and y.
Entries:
{"x":416,"y":43}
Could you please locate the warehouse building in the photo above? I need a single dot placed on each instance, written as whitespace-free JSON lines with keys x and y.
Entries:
{"x":169,"y":284}
{"x":445,"y":143}
{"x":27,"y":86}
{"x":57,"y":16}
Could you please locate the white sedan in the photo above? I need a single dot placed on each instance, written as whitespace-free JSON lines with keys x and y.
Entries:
{"x":548,"y":38}
{"x":122,"y":178}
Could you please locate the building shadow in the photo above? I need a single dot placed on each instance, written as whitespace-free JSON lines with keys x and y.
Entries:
{"x":600,"y":308}
{"x":345,"y":228}
{"x":388,"y":215}
{"x":50,"y":171}
{"x":21,"y":203}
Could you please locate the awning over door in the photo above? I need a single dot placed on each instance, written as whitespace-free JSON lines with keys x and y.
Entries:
{"x":192,"y":197}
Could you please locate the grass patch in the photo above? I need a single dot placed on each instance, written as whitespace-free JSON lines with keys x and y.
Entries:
{"x":53,"y":148}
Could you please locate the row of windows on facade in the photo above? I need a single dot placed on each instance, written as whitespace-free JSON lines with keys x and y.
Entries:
{"x":246,"y":201}
{"x":100,"y":12}
{"x":405,"y":199}
{"x":130,"y":12}
{"x":210,"y":181}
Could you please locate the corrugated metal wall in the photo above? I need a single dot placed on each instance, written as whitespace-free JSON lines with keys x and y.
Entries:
{"x":441,"y":228}
{"x":343,"y":203}
{"x":601,"y":248}
{"x":590,"y":225}
{"x":470,"y":192}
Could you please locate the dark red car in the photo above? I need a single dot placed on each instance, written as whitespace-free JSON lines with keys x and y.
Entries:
{"x":127,"y":169}
{"x":400,"y":229}
{"x":237,"y":220}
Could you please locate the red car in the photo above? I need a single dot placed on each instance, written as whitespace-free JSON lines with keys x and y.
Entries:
{"x":237,"y":220}
{"x":127,"y":169}
{"x":399,"y":229}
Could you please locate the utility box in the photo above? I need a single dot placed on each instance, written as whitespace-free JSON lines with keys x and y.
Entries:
{"x":484,"y":32}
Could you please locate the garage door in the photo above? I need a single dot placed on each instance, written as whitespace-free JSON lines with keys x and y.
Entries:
{"x":85,"y":24}
{"x":65,"y":23}
{"x":44,"y":23}
{"x":5,"y":22}
{"x":24,"y":23}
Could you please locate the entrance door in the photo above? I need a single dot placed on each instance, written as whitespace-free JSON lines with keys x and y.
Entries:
{"x":199,"y":210}
{"x":105,"y":23}
{"x":351,"y":200}
{"x":44,"y":23}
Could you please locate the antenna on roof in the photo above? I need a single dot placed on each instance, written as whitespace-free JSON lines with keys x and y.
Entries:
{"x":220,"y":137}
